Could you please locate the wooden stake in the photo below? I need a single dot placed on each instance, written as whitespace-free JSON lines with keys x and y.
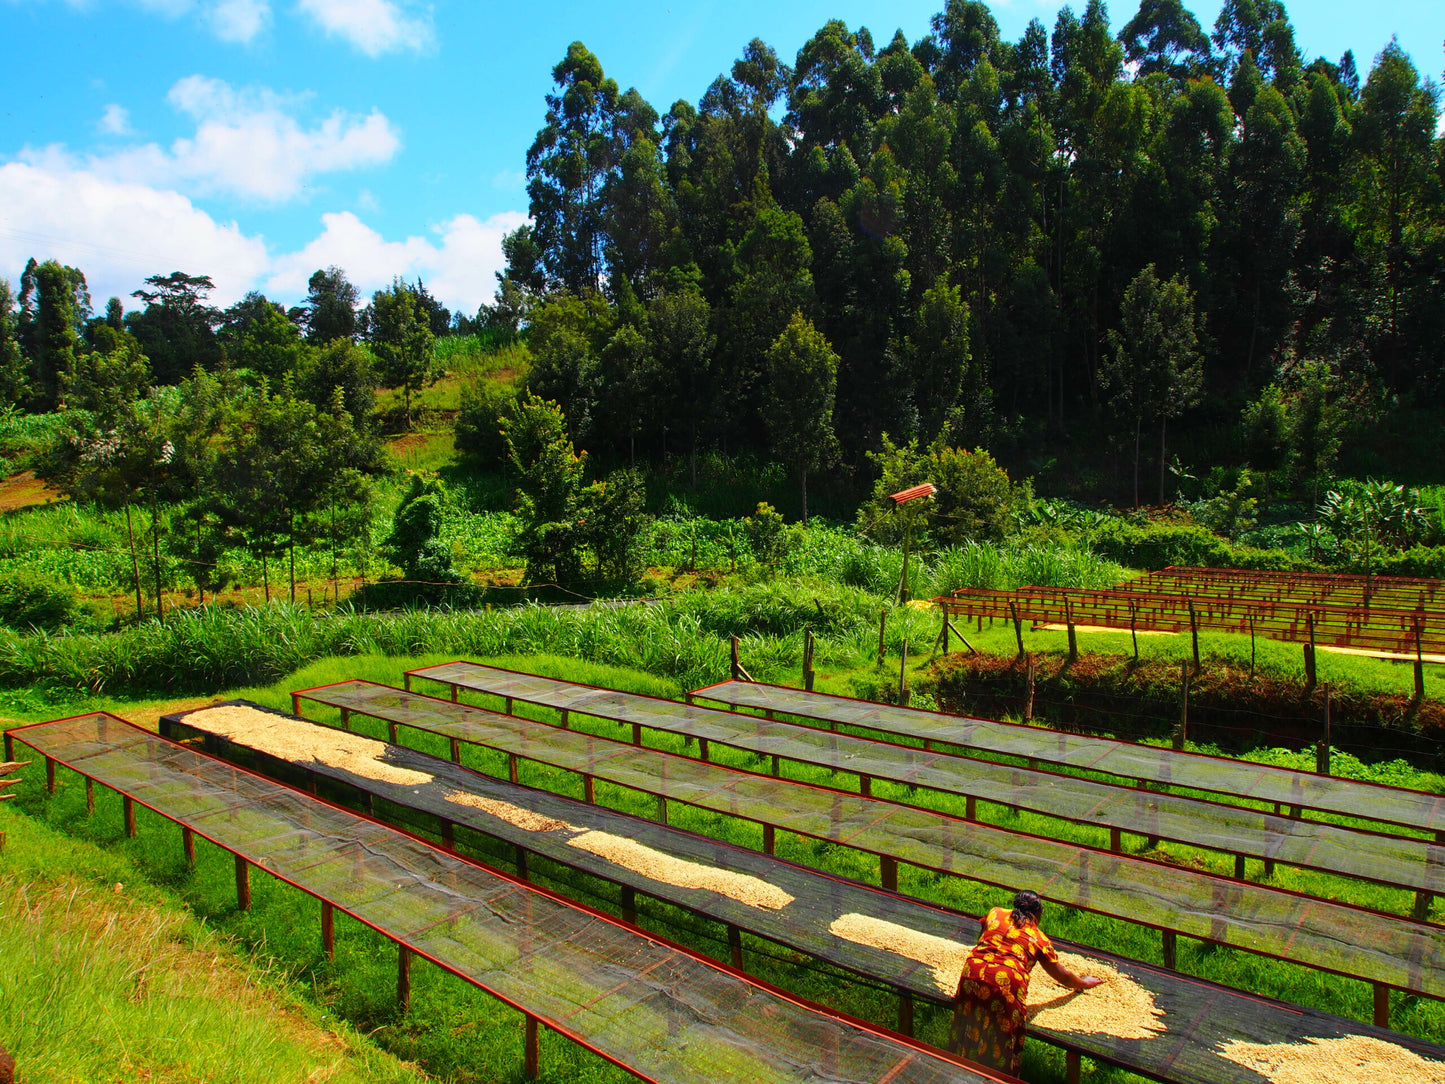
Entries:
{"x":456,"y":751}
{"x":1013,"y":610}
{"x":1194,"y":631}
{"x":1029,"y":700}
{"x":1073,"y":636}
{"x":768,"y":839}
{"x":89,"y":796}
{"x":243,"y":883}
{"x":1382,"y":1005}
{"x":888,"y":872}
{"x":943,"y":632}
{"x":188,"y":846}
{"x":50,"y":775}
{"x":589,"y":790}
{"x":882,"y":628}
{"x":1322,"y":749}
{"x":532,"y":1052}
{"x":735,"y":945}
{"x":905,"y":1011}
{"x":403,"y":977}
{"x":127,"y":807}
{"x":512,"y":767}
{"x":1182,"y":731}
{"x":1171,"y":949}
{"x":1073,"y":1066}
{"x":629,"y":904}
{"x":328,"y":930}
{"x":903,"y":675}
{"x":1134,"y":628}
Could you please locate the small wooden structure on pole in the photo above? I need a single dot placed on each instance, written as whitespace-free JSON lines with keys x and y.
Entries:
{"x":899,"y":499}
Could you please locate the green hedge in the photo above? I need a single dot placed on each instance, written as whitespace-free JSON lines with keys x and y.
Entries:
{"x":1415,"y":561}
{"x":29,"y":602}
{"x":1155,"y":547}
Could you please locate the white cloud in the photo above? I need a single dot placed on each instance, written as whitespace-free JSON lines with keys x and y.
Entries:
{"x":118,"y":233}
{"x":247,"y":143}
{"x":115,"y":120}
{"x":458,"y":267}
{"x":373,"y":26}
{"x":239,"y":20}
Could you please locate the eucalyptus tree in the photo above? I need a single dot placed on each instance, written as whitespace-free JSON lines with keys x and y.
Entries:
{"x":802,"y":385}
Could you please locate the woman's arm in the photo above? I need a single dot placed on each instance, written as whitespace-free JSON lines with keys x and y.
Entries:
{"x":1064,"y":977}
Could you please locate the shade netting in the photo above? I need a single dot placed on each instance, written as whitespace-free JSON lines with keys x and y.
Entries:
{"x":1389,"y":859}
{"x":1126,"y":760}
{"x":1334,"y":937}
{"x":647,"y":1005}
{"x":1197,"y":1016}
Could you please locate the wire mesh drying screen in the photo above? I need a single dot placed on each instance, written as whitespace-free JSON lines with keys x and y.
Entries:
{"x":1127,"y":760}
{"x":1334,"y":937}
{"x":801,"y":908}
{"x":1393,"y":860}
{"x":632,"y":998}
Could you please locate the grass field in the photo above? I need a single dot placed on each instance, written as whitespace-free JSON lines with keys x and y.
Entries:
{"x":459,"y":1034}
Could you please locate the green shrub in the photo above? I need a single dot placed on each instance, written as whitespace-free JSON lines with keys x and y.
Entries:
{"x":30,"y":602}
{"x":479,"y":422}
{"x":1155,"y":547}
{"x":1415,"y":561}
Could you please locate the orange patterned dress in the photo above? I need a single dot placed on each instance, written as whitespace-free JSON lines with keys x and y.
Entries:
{"x":989,"y":1008}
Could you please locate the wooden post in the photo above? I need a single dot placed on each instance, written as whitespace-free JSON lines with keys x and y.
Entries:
{"x":1171,"y":949}
{"x":532,"y":1052}
{"x":882,"y":629}
{"x":588,"y":790}
{"x":345,"y":718}
{"x":403,"y":977}
{"x":188,"y":846}
{"x":1322,"y":749}
{"x":9,"y":747}
{"x":1251,"y":645}
{"x":127,"y":807}
{"x":905,"y":1011}
{"x":512,"y":766}
{"x":637,"y":734}
{"x":903,"y":675}
{"x":737,"y":666}
{"x":1029,"y":699}
{"x":243,"y":883}
{"x":521,"y":854}
{"x":1309,"y":651}
{"x":1181,"y":732}
{"x":735,"y":945}
{"x":456,"y":751}
{"x":406,"y":682}
{"x":1073,"y":636}
{"x":328,"y":930}
{"x":1073,"y":1066}
{"x":1382,"y":1005}
{"x":1018,"y":626}
{"x":888,"y":872}
{"x":970,"y":808}
{"x":943,"y":632}
{"x":1194,"y":631}
{"x":456,"y":691}
{"x":1239,"y":867}
{"x":1116,"y":840}
{"x":769,"y":839}
{"x":563,"y":720}
{"x":865,"y":785}
{"x":808,"y":658}
{"x":629,"y":904}
{"x":661,"y":809}
{"x":89,"y":796}
{"x":50,"y":775}
{"x":1419,"y":659}
{"x":1134,"y":628}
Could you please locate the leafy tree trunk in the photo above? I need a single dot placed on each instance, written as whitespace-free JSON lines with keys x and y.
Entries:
{"x":134,"y":563}
{"x":1163,"y":422}
{"x":1138,"y":425}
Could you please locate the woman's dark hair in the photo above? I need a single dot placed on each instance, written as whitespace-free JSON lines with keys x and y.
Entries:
{"x":1027,"y":905}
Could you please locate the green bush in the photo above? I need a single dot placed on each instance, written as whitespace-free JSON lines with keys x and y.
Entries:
{"x":29,"y":602}
{"x":1415,"y":561}
{"x":1156,"y":547}
{"x":479,"y":422}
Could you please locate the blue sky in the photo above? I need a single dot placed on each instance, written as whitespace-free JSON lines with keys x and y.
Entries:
{"x":257,"y":140}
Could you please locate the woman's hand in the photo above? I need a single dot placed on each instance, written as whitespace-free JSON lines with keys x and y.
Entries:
{"x":1088,"y":982}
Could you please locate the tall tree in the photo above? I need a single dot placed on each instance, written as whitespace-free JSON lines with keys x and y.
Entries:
{"x":330,"y":306}
{"x":177,"y":328}
{"x":802,"y":386}
{"x":14,"y":379}
{"x":55,"y":305}
{"x":1164,"y":36}
{"x":402,"y":340}
{"x":568,"y":167}
{"x":1155,"y":371}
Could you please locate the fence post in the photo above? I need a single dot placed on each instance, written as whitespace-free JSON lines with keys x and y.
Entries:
{"x":808,"y":657}
{"x":328,"y":930}
{"x":903,"y":675}
{"x":531,"y":1057}
{"x":1029,"y":700}
{"x":403,"y":977}
{"x":1194,"y":632}
{"x":1322,"y":749}
{"x":243,"y":883}
{"x":1134,"y":628}
{"x":736,"y":665}
{"x":882,"y":628}
{"x":1310,"y":652}
{"x":1419,"y":658}
{"x":1181,"y":732}
{"x":1018,"y":626}
{"x":943,"y":633}
{"x":1073,"y":639}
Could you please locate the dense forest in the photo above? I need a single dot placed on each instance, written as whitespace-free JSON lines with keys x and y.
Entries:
{"x":1080,"y":251}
